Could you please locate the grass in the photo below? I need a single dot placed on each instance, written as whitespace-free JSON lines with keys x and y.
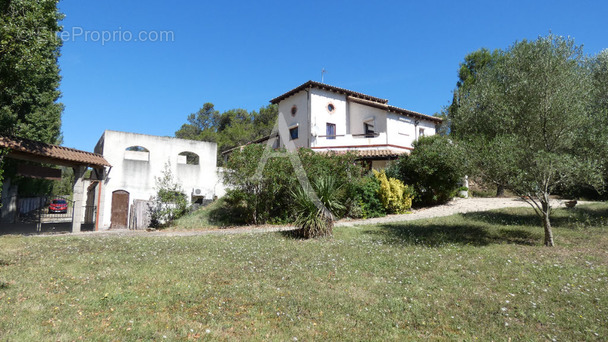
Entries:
{"x":473,"y":277}
{"x":212,"y":216}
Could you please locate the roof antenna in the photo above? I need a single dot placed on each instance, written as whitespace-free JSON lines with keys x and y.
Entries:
{"x":322,"y":75}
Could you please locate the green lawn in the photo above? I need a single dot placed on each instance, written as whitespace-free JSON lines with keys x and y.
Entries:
{"x":474,"y":277}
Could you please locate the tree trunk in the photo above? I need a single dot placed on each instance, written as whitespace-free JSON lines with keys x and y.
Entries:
{"x":500,"y":191}
{"x":547,"y":222}
{"x":1,"y":172}
{"x":548,"y":232}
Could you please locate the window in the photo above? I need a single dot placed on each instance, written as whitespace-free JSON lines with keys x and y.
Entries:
{"x":293,"y":133}
{"x":331,"y":108}
{"x":330,"y":131}
{"x":369,"y":130}
{"x":137,"y":149}
{"x":188,"y":158}
{"x":138,"y":153}
{"x":294,"y":110}
{"x":420,"y":132}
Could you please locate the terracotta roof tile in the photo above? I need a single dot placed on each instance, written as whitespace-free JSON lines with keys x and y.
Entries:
{"x":368,"y":154}
{"x":60,"y":153}
{"x":379,"y":153}
{"x":319,"y":85}
{"x":408,"y":112}
{"x":367,"y":99}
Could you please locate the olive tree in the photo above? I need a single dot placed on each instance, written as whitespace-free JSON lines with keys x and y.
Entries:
{"x":599,"y":105}
{"x":526,"y":120}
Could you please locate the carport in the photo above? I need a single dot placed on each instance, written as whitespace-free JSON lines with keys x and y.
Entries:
{"x":79,"y":161}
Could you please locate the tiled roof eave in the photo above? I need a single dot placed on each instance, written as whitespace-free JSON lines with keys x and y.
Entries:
{"x":359,"y":98}
{"x":20,"y":148}
{"x":368,"y":154}
{"x":323,"y":86}
{"x":411,"y":113}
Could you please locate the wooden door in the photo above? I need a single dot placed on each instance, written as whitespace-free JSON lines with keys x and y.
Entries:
{"x":120,"y":209}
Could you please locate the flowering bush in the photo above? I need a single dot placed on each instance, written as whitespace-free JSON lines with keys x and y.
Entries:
{"x":395,"y":196}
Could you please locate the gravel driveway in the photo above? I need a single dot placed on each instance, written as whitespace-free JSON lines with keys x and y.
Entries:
{"x":456,"y":206}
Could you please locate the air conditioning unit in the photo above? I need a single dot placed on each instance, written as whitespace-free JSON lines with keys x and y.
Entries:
{"x":198,"y":192}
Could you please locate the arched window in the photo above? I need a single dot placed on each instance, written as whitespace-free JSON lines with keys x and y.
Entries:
{"x":137,"y":153}
{"x":137,"y":149}
{"x":189,"y":158}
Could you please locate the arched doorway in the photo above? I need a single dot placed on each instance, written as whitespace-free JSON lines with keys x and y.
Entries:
{"x":120,"y":209}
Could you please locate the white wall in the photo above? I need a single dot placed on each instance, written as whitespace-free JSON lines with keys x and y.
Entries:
{"x":361,"y":113}
{"x":350,"y":141}
{"x":429,"y":127}
{"x":300,"y":100}
{"x":321,"y":116}
{"x":401,"y":130}
{"x":135,"y":172}
{"x":393,"y":129}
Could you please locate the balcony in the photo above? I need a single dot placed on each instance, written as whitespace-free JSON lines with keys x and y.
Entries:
{"x":350,"y":140}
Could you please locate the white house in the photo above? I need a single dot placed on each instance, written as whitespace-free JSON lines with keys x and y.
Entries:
{"x":137,"y":160}
{"x":324,"y":117}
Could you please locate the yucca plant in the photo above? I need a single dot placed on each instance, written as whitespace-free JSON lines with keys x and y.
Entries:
{"x":316,"y":208}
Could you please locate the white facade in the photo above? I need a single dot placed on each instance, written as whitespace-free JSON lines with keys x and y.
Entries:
{"x":361,"y":122}
{"x":137,"y":160}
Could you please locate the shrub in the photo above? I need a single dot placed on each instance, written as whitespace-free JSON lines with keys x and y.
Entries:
{"x":394,"y":195}
{"x":581,"y":191}
{"x":239,"y":206}
{"x":257,"y":200}
{"x":170,"y":202}
{"x":215,"y":214}
{"x":435,"y":168}
{"x":267,"y":199}
{"x":362,"y":198}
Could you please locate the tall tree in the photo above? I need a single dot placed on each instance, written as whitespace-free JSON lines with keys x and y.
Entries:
{"x":29,"y":72}
{"x":468,"y":73}
{"x":527,"y":118}
{"x":474,"y":63}
{"x":229,"y":129}
{"x":201,"y":125}
{"x":599,"y":68}
{"x":264,"y":120}
{"x":599,"y":107}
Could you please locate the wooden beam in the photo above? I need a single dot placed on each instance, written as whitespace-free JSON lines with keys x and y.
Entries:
{"x":41,"y":159}
{"x":39,"y":172}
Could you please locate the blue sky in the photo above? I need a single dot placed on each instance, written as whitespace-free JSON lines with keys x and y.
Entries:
{"x":241,"y":54}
